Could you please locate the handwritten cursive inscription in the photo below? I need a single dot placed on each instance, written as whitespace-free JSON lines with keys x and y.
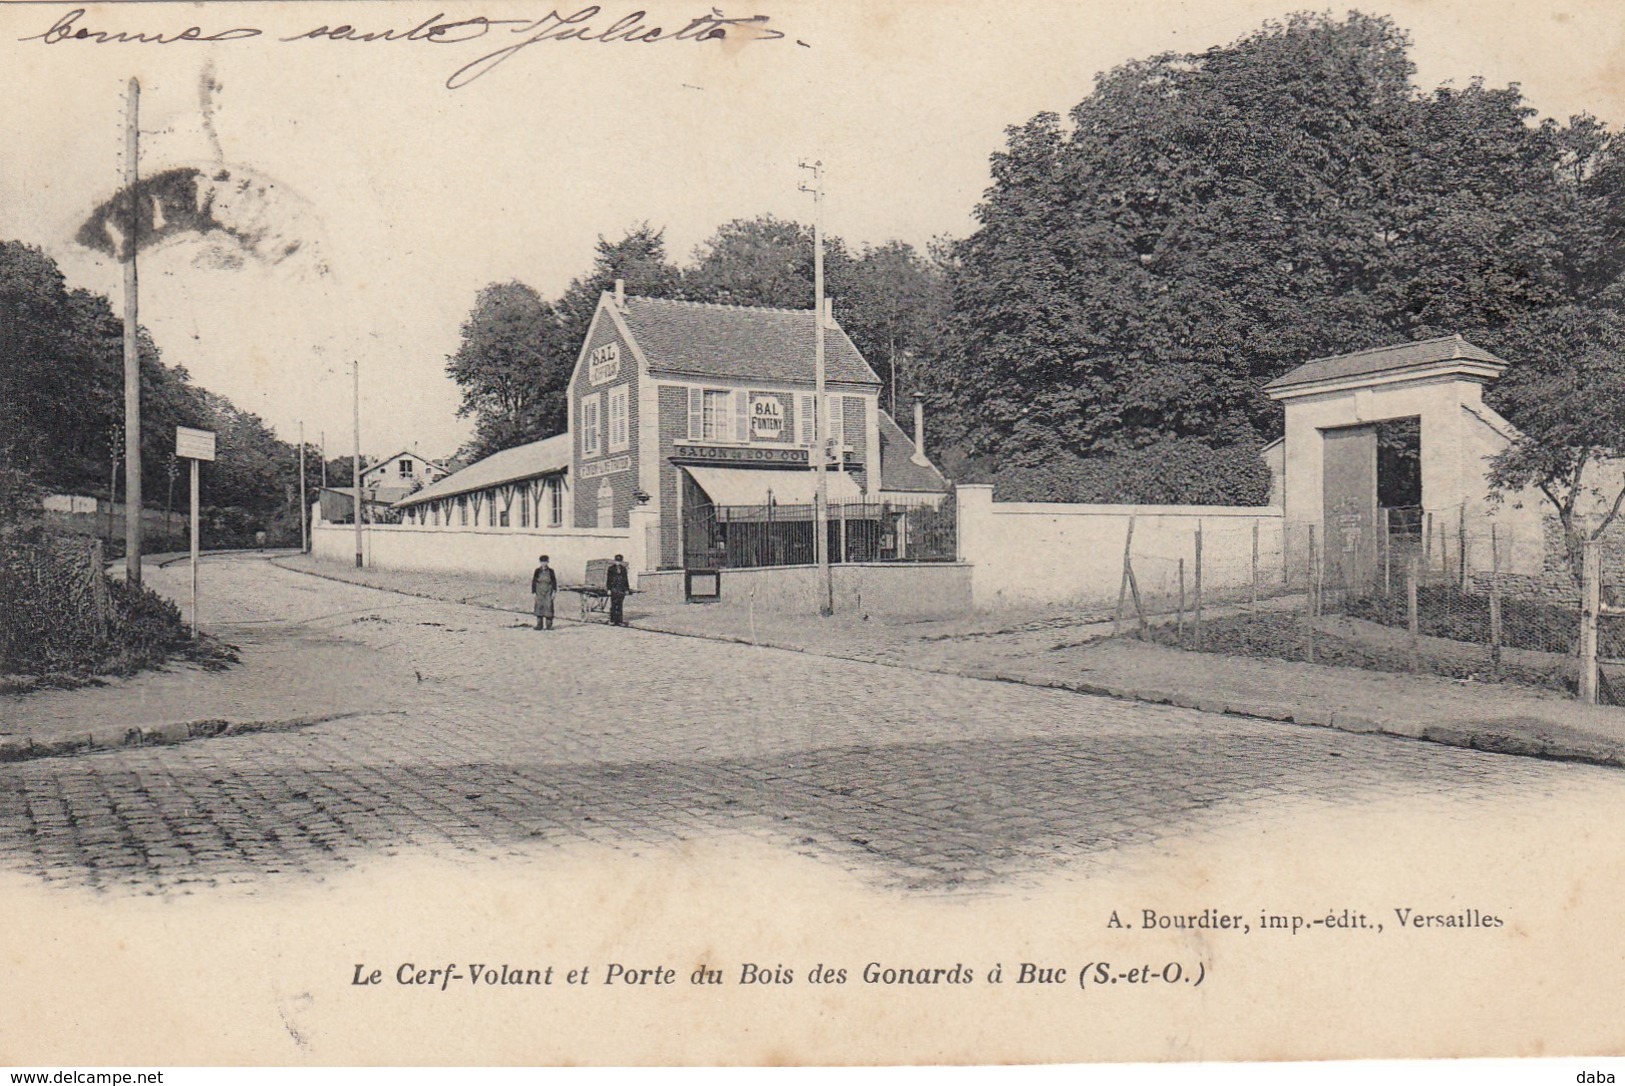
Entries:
{"x":67,"y":28}
{"x":583,"y":26}
{"x":588,"y":26}
{"x":633,"y":28}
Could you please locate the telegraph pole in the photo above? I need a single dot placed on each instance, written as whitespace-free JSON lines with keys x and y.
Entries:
{"x":304,"y":540}
{"x":357,"y":461}
{"x":822,"y":441}
{"x":132,"y":346}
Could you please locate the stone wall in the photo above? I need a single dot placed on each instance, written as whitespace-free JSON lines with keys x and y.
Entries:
{"x":925,"y":590}
{"x":1053,"y":552}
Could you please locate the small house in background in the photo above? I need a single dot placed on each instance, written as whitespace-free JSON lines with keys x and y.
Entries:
{"x":390,"y":480}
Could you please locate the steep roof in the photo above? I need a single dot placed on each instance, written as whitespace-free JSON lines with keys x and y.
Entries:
{"x":543,"y":457}
{"x":898,"y":471}
{"x":1386,"y":360}
{"x":437,"y":465}
{"x":740,"y":342}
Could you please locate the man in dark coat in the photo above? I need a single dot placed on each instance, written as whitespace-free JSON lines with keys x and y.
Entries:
{"x":544,"y":585}
{"x":617,"y":583}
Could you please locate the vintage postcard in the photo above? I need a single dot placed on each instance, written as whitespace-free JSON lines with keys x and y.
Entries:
{"x":861,"y":533}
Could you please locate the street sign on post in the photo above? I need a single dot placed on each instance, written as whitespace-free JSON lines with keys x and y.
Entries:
{"x":194,"y":446}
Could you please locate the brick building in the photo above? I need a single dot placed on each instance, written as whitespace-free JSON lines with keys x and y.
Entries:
{"x":693,"y":408}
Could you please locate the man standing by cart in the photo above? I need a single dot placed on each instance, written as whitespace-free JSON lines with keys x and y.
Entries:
{"x":617,"y":583}
{"x":544,"y":585}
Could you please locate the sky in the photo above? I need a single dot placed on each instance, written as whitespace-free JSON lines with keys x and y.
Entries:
{"x":405,"y":196}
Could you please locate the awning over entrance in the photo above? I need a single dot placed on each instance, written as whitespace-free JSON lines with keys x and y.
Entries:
{"x":751,"y":486}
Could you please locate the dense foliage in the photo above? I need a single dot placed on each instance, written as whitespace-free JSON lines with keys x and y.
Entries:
{"x":1176,"y":471}
{"x":62,"y":408}
{"x":1207,"y":221}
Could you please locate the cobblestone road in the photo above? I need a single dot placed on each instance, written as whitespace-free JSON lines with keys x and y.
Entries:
{"x":500,"y":739}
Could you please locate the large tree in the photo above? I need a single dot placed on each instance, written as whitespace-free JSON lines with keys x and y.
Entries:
{"x":894,"y":306}
{"x":1567,"y":397}
{"x":513,"y":365}
{"x":1206,"y":221}
{"x":765,"y":261}
{"x":638,"y":260}
{"x":62,"y":402}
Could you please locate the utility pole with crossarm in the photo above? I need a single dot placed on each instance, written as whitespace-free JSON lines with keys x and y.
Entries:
{"x":822,"y":440}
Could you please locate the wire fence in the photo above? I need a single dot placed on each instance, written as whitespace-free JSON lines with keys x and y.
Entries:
{"x":1453,"y":592}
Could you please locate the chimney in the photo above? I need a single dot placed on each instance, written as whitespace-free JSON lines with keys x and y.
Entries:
{"x":620,"y":294}
{"x":829,"y":312}
{"x":919,"y":431}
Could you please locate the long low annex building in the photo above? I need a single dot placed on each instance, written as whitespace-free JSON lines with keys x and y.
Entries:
{"x":523,"y":487}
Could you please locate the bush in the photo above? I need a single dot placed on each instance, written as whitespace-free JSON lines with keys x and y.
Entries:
{"x":144,"y":627}
{"x":53,"y":629}
{"x":1178,"y":471}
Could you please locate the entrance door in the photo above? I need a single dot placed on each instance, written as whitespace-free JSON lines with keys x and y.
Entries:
{"x":1349,"y":491}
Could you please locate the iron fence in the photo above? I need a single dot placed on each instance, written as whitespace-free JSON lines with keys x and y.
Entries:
{"x":743,"y":536}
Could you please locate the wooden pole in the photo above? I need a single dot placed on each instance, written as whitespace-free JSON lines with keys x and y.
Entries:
{"x":132,"y":345}
{"x":1315,"y":563}
{"x":1461,"y":545}
{"x":304,"y":537}
{"x":1387,"y":555}
{"x":112,"y":482}
{"x":1590,"y":604}
{"x":356,"y":462}
{"x":1179,"y":611}
{"x":1253,"y":602}
{"x":1198,"y":584}
{"x":1427,"y":543}
{"x":820,"y":453}
{"x":98,"y":586}
{"x":1128,"y":575}
{"x":1139,"y":606}
{"x":1495,"y":608}
{"x":1312,"y":606}
{"x":1411,"y":617}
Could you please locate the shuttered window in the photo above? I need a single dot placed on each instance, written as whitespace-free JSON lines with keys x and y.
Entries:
{"x":618,"y":425}
{"x":804,"y":419}
{"x":716,"y":416}
{"x":589,"y":426}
